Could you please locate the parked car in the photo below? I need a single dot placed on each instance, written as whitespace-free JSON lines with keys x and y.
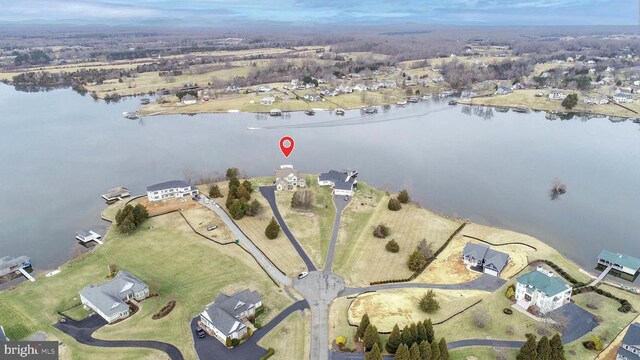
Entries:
{"x":346,"y":198}
{"x":200,"y":333}
{"x":302,"y":274}
{"x":212,"y":227}
{"x":207,"y":201}
{"x":196,"y":196}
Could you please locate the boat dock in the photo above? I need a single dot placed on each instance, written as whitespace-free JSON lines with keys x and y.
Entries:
{"x":26,"y":274}
{"x":116,"y":194}
{"x":85,"y":236}
{"x":9,"y":264}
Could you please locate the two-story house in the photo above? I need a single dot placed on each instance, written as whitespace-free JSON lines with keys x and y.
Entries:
{"x":224,"y":317}
{"x":170,"y":190}
{"x":542,"y":289}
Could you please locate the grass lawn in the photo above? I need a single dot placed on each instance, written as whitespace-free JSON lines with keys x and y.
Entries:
{"x":390,"y":307}
{"x":170,"y":259}
{"x":338,"y":323}
{"x":482,"y":353}
{"x":291,"y":338}
{"x":358,"y":249}
{"x":311,"y":228}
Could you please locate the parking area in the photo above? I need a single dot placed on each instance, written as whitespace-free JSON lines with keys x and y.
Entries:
{"x":576,"y":320}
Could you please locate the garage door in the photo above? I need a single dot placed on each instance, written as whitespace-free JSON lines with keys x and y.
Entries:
{"x":490,"y":272}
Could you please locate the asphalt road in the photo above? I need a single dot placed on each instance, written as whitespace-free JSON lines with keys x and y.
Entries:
{"x":269,"y":193}
{"x":576,"y":320}
{"x":82,"y":331}
{"x":208,"y":348}
{"x":246,"y":243}
{"x":340,"y":203}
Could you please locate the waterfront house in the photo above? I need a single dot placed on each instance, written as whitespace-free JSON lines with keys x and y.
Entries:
{"x":343,"y":183}
{"x":267,"y":100}
{"x":630,"y":348}
{"x":265,"y":88}
{"x":622,"y":98}
{"x":288,"y":178}
{"x":542,"y":289}
{"x":223,"y":318}
{"x":3,"y":336}
{"x":619,"y":262}
{"x":502,"y":90}
{"x":188,"y":99}
{"x":556,"y":95}
{"x":482,"y":258}
{"x":170,"y":190}
{"x":360,"y":87}
{"x":9,"y":264}
{"x":110,"y":300}
{"x":312,"y":97}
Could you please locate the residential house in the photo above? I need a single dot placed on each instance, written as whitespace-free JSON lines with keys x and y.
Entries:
{"x":596,"y":100}
{"x":636,"y":83}
{"x":288,"y":178}
{"x":622,"y":98}
{"x":170,"y":189}
{"x":3,"y":336}
{"x":542,"y":289}
{"x":610,"y":69}
{"x":224,"y":317}
{"x":109,"y":300}
{"x":360,"y":87}
{"x":267,"y":100}
{"x":556,"y":95}
{"x":265,"y":88}
{"x":630,"y":348}
{"x":189,"y":99}
{"x":312,"y":97}
{"x":343,"y":183}
{"x":502,"y":90}
{"x":232,"y":88}
{"x":592,"y":71}
{"x":482,"y":258}
{"x":620,"y":262}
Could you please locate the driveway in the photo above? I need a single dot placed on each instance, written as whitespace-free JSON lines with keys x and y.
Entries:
{"x":246,"y":243}
{"x":576,"y":320}
{"x":82,"y":331}
{"x":269,"y":193}
{"x":208,"y":348}
{"x":340,"y":203}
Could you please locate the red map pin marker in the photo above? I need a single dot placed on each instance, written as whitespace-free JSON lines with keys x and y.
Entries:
{"x":286,"y":145}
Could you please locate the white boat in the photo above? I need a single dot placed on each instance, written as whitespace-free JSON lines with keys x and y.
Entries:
{"x":340,"y":112}
{"x":401,"y":102}
{"x":427,"y":97}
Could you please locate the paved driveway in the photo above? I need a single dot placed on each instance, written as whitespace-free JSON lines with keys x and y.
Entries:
{"x":269,"y":193}
{"x":340,"y":203}
{"x":577,"y":321}
{"x":82,"y":331}
{"x":208,"y":348}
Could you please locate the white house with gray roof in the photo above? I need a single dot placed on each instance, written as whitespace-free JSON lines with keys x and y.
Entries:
{"x":483,"y":258}
{"x":343,"y":183}
{"x":170,"y":190}
{"x":630,"y":348}
{"x":224,"y":317}
{"x":542,"y":289}
{"x":109,"y":300}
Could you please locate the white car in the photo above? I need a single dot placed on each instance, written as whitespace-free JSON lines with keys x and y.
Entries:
{"x":302,"y":274}
{"x":207,"y":201}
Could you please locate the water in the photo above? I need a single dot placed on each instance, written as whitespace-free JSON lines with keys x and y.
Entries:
{"x":60,"y":151}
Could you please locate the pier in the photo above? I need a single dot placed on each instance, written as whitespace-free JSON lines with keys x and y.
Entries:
{"x":116,"y":194}
{"x":85,"y":236}
{"x":26,"y":274}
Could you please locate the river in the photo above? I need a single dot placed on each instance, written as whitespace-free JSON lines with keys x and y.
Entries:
{"x":60,"y":151}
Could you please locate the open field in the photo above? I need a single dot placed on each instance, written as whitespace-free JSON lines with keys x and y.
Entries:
{"x":527,"y":98}
{"x":279,"y":250}
{"x":291,"y":338}
{"x":311,"y":228}
{"x":482,"y":353}
{"x":391,"y":307}
{"x":358,"y":249}
{"x":172,"y":253}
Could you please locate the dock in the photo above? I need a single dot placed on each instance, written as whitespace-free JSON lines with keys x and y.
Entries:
{"x":9,"y":264}
{"x":26,"y":274}
{"x":86,"y":236}
{"x":601,"y":276}
{"x":116,"y":194}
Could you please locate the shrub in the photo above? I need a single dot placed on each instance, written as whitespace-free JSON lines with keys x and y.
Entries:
{"x":416,"y":261}
{"x":235,"y":342}
{"x":394,"y":204}
{"x":273,"y":229}
{"x":507,"y":311}
{"x":228,"y":343}
{"x":269,"y":354}
{"x":381,"y":231}
{"x":392,"y":246}
{"x":511,"y":292}
{"x":428,"y":303}
{"x":214,"y":191}
{"x":302,"y":199}
{"x":597,"y":343}
{"x":403,"y":196}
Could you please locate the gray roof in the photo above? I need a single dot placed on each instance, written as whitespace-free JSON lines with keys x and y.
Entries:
{"x":225,"y":308}
{"x":188,"y":97}
{"x":3,"y":336}
{"x":632,"y":337}
{"x":108,"y":297}
{"x":488,"y":257}
{"x":282,"y":173}
{"x":339,"y":179}
{"x":476,"y":251}
{"x":83,"y":233}
{"x":9,"y":261}
{"x":169,"y":185}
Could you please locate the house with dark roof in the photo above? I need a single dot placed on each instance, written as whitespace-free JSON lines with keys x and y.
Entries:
{"x":482,"y":258}
{"x":3,"y":336}
{"x":621,"y":264}
{"x":630,"y":348}
{"x":343,"y":183}
{"x":502,"y":90}
{"x":169,"y":190}
{"x":224,"y":318}
{"x":110,"y":300}
{"x":542,"y":289}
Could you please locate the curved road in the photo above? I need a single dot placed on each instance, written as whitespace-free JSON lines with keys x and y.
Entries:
{"x":269,"y":193}
{"x":82,"y":331}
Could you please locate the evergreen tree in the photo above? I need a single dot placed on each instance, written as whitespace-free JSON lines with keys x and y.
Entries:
{"x":416,"y":261}
{"x":425,"y":350}
{"x":374,"y":354}
{"x":242,"y":193}
{"x":444,"y":352}
{"x":253,"y":208}
{"x":428,"y":303}
{"x":403,"y":196}
{"x":414,"y":333}
{"x":435,"y":351}
{"x":214,"y":192}
{"x":406,"y":335}
{"x":421,"y":332}
{"x":229,"y":200}
{"x":414,"y":352}
{"x":232,"y":173}
{"x":528,"y":350}
{"x":371,"y":337}
{"x":428,"y":327}
{"x":140,"y":214}
{"x":394,"y":340}
{"x":247,"y":185}
{"x":402,"y":353}
{"x":544,"y":349}
{"x":272,"y":231}
{"x":237,"y":209}
{"x":557,"y":348}
{"x":362,"y":327}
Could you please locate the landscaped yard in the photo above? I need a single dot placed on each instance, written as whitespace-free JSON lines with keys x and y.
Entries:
{"x":390,"y":307}
{"x":338,"y":323}
{"x":170,"y":258}
{"x":291,"y":338}
{"x":358,"y":250}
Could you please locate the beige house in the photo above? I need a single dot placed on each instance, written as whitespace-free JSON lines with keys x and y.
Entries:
{"x":288,"y":178}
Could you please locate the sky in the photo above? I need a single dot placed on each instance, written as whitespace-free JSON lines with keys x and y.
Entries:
{"x":322,"y":12}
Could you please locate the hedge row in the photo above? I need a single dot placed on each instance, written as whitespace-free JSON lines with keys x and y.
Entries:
{"x":625,"y":306}
{"x":564,"y":274}
{"x":269,"y":354}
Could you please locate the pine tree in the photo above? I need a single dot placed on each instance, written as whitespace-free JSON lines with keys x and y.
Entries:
{"x":414,"y":352}
{"x":544,"y":349}
{"x":421,"y":332}
{"x":362,"y":327}
{"x":247,"y":185}
{"x":395,"y":339}
{"x":253,"y":208}
{"x":402,"y":353}
{"x":214,"y":192}
{"x":435,"y":351}
{"x":528,"y":350}
{"x":243,"y":194}
{"x":428,"y":327}
{"x":237,"y":209}
{"x":416,"y":261}
{"x":444,"y":352}
{"x":371,"y":337}
{"x":272,"y":231}
{"x":428,"y":303}
{"x":374,"y":354}
{"x":414,"y":333}
{"x":406,"y":335}
{"x":403,"y":196}
{"x":557,"y":348}
{"x":425,"y":350}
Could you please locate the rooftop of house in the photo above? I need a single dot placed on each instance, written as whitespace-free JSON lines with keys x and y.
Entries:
{"x":223,"y":311}
{"x":9,"y":261}
{"x":483,"y":251}
{"x":548,"y":284}
{"x":188,"y":97}
{"x":108,"y":296}
{"x":172,"y":184}
{"x":631,"y":338}
{"x":620,"y":259}
{"x":282,"y":173}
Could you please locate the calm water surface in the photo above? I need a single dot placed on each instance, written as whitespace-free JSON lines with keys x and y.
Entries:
{"x":60,"y":151}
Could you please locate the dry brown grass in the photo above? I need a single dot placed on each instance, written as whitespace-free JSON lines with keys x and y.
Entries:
{"x":291,"y":338}
{"x":448,"y":267}
{"x":165,"y":206}
{"x":338,"y":324}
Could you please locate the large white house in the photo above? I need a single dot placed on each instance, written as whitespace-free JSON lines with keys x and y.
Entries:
{"x":288,"y":178}
{"x":343,"y":183}
{"x":109,"y":300}
{"x":224,"y":317}
{"x":170,"y":189}
{"x":630,"y":348}
{"x":541,"y":289}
